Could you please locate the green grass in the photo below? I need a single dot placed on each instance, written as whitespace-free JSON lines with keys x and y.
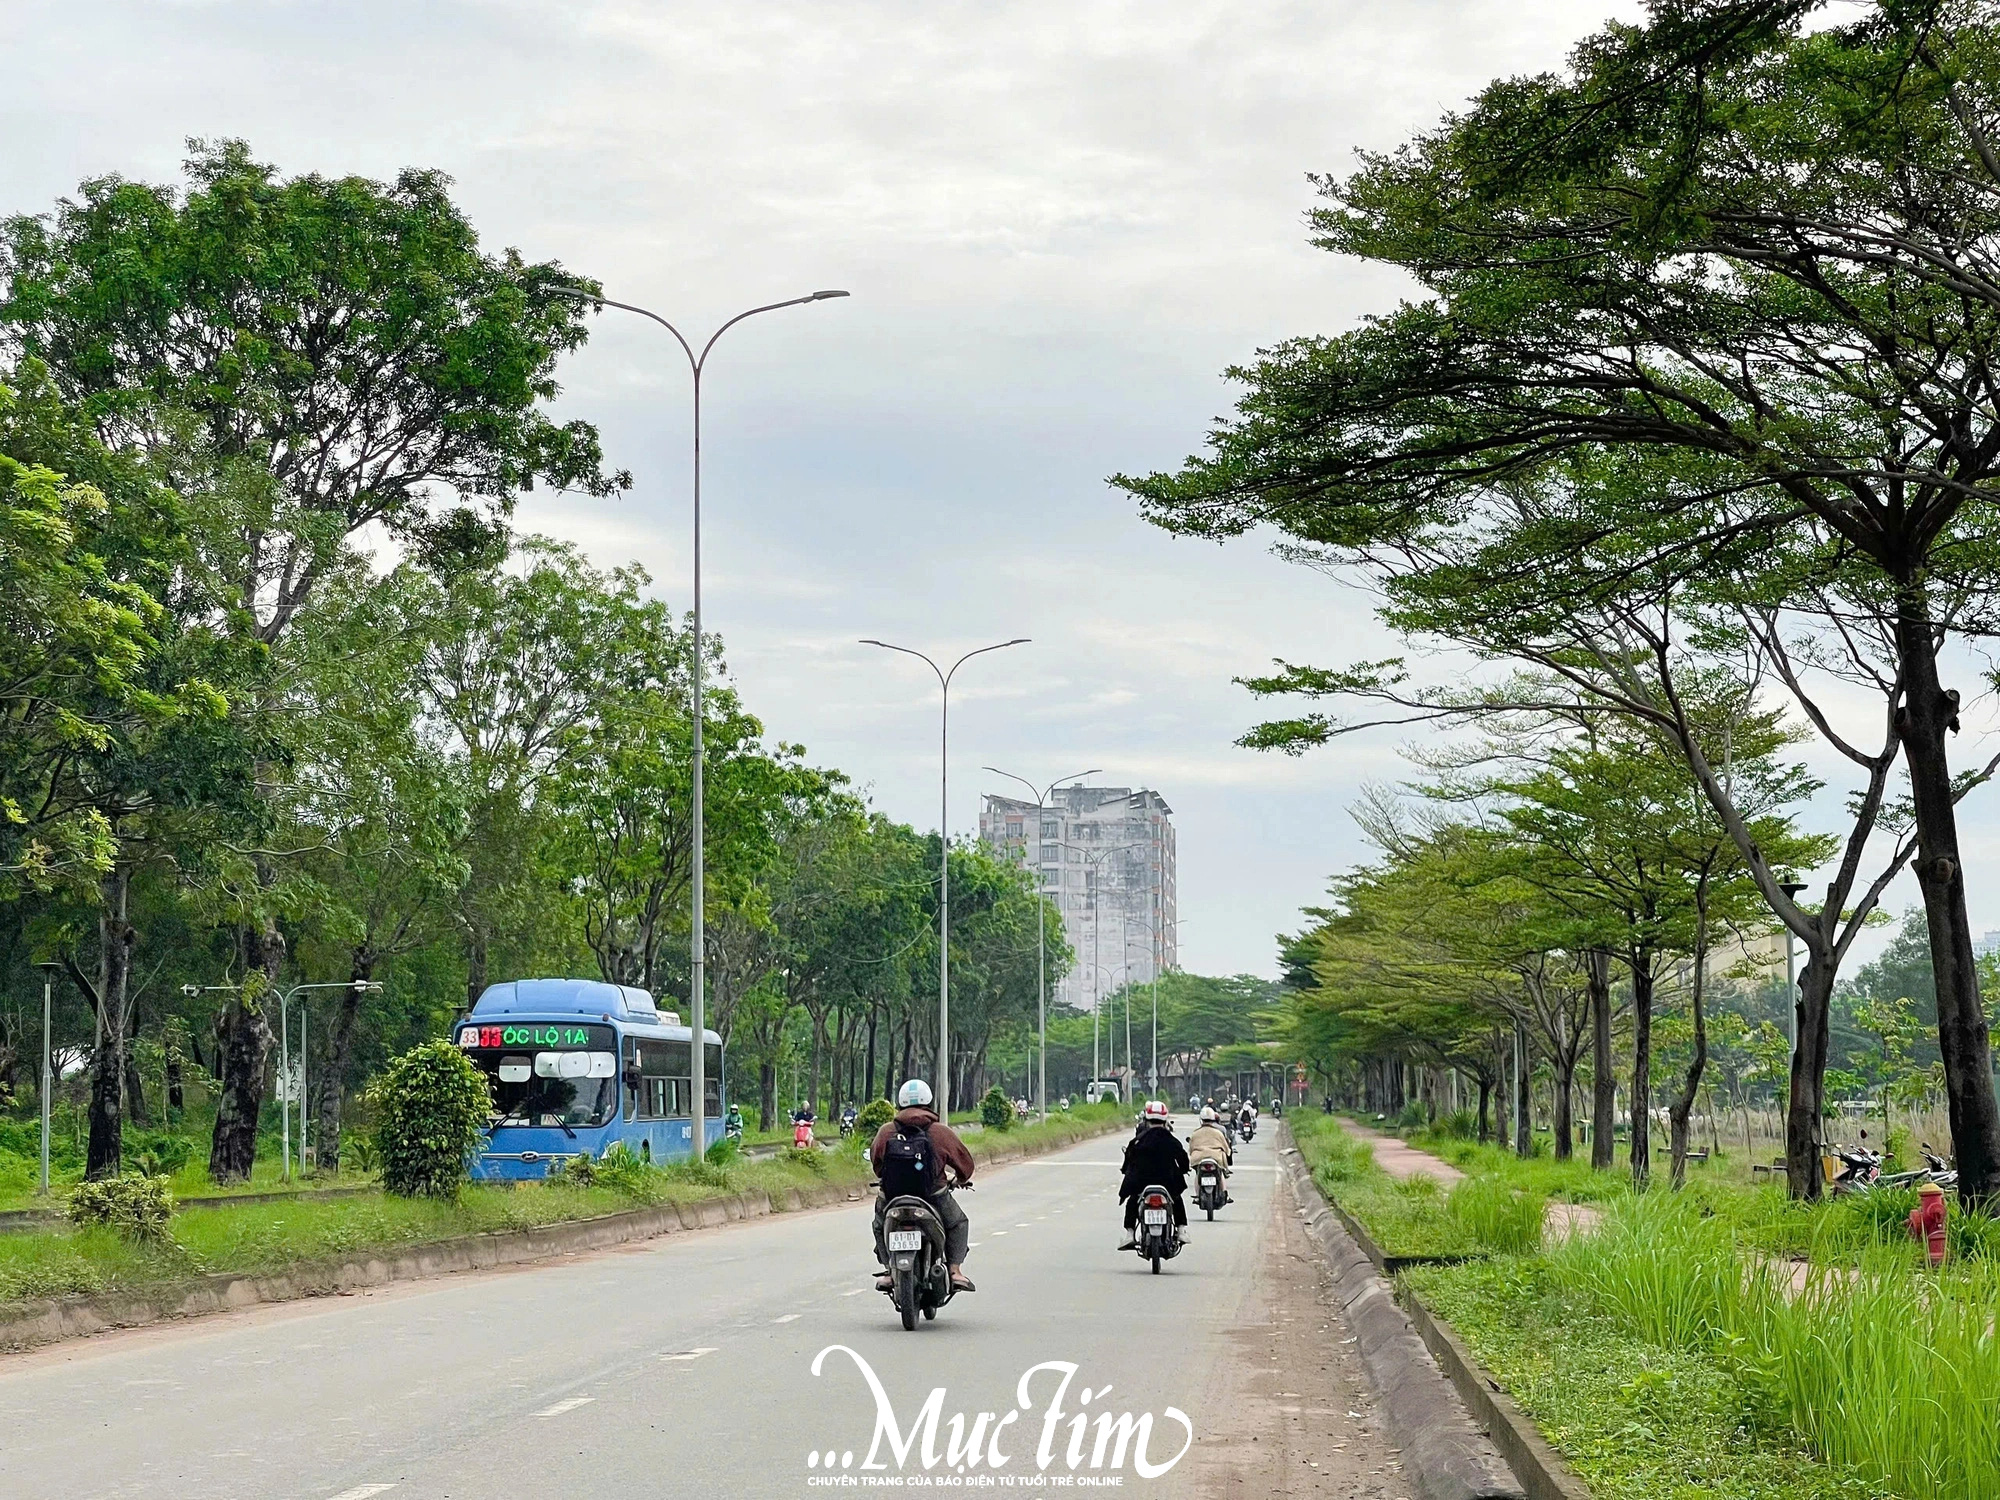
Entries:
{"x":270,"y":1236}
{"x":1635,"y":1420}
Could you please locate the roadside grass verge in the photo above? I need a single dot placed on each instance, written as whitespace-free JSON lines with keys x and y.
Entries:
{"x":1480,"y":1216}
{"x":271,"y":1236}
{"x":1635,"y":1420}
{"x":262,"y":1237}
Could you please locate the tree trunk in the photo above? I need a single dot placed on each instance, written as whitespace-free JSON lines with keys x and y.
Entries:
{"x":1803,"y":1178}
{"x":332,"y":1085}
{"x":1682,"y":1108}
{"x":135,"y":1086}
{"x":246,"y":1056}
{"x":868,"y":1089}
{"x":1524,"y":1128}
{"x":1642,"y":1067}
{"x":767,"y":1093}
{"x":1563,"y":1085}
{"x":1603,"y":1081}
{"x":106,"y":1154}
{"x":1485,"y":1105}
{"x":475,"y":967}
{"x":1963,"y":1043}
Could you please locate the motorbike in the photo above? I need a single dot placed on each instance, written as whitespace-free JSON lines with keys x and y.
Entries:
{"x":732,"y":1127}
{"x":1935,"y":1169}
{"x":1248,"y":1130}
{"x":1209,"y":1192}
{"x":1859,"y":1170}
{"x":802,"y":1133}
{"x":847,"y":1119}
{"x":920,"y":1283}
{"x":1155,"y":1238}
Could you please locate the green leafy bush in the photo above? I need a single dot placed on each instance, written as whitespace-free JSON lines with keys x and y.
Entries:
{"x":811,"y":1158}
{"x":157,"y":1153}
{"x":996,"y":1110}
{"x":624,"y":1172}
{"x":1459,"y":1125}
{"x":725,"y":1152}
{"x":1413,"y":1117}
{"x":874,"y":1115}
{"x":574,"y":1171}
{"x":359,"y":1152}
{"x":431,"y":1104}
{"x":137,"y":1207}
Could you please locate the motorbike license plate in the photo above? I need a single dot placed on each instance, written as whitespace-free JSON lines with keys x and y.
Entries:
{"x":906,"y":1239}
{"x":1156,"y":1216}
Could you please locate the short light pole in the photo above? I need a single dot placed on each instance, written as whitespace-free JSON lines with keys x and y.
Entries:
{"x":942,"y":1092}
{"x":48,"y":1066}
{"x":1041,"y":935}
{"x":698,"y":1081}
{"x":1096,"y":1007}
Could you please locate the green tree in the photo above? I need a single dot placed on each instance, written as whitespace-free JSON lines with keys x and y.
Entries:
{"x":324,"y":354}
{"x":1708,"y":308}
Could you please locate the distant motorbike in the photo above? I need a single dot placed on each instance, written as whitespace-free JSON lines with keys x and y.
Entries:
{"x":919,"y":1282}
{"x":732,"y":1126}
{"x":847,"y":1118}
{"x":1209,"y":1191}
{"x":1156,"y":1239}
{"x":1249,"y":1131}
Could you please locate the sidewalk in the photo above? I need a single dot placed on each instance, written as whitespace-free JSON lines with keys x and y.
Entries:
{"x":1401,"y":1160}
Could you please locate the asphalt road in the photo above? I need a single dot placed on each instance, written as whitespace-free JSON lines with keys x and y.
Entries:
{"x":685,"y":1367}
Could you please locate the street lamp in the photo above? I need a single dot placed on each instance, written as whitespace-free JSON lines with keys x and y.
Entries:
{"x":285,"y":998}
{"x":48,"y":1067}
{"x":1041,"y":909}
{"x":944,"y":676}
{"x":1096,"y":1006}
{"x":697,"y":1137}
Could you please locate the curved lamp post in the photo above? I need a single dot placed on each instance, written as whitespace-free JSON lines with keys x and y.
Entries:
{"x":697,"y":1132}
{"x":1041,"y":912}
{"x":944,"y":676}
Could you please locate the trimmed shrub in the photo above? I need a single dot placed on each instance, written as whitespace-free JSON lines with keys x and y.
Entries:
{"x":996,"y":1110}
{"x":874,"y":1115}
{"x":431,"y":1104}
{"x":137,"y":1207}
{"x":810,"y":1157}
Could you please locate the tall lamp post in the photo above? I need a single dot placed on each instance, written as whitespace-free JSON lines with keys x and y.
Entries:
{"x":1041,"y":936}
{"x":48,"y":1066}
{"x":944,"y":676}
{"x":285,"y":999}
{"x":698,"y":1125}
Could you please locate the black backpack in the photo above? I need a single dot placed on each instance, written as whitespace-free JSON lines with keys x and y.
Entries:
{"x":906,"y":1164}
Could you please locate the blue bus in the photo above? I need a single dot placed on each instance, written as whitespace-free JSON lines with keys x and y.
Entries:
{"x":577,"y":1066}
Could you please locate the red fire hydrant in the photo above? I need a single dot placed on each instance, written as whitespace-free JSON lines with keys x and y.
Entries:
{"x":1927,"y":1220}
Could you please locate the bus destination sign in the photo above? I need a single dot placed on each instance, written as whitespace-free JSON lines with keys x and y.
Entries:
{"x":545,"y":1036}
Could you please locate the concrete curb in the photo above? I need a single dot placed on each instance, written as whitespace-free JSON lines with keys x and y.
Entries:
{"x":1539,"y":1467}
{"x":1446,"y":1457}
{"x":56,"y":1319}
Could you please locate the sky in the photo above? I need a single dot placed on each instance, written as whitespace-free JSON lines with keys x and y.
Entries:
{"x":1059,"y":224}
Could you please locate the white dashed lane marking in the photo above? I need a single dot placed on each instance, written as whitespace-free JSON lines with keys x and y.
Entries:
{"x":787,"y":1318}
{"x":562,"y":1406}
{"x":363,"y":1491}
{"x":684,"y":1354}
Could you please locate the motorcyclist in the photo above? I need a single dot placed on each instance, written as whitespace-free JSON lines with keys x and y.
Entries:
{"x":848,"y":1114}
{"x":1153,"y":1158}
{"x":1209,"y":1141}
{"x":950,"y":1160}
{"x":1246,"y":1117}
{"x":732,"y":1125}
{"x":804,"y":1115}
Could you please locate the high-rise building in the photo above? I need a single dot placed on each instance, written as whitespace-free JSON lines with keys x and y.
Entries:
{"x":1105,"y":856}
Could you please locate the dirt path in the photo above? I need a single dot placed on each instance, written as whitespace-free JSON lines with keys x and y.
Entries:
{"x":1401,"y":1160}
{"x":1296,"y":1413}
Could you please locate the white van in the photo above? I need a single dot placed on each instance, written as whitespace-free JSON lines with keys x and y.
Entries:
{"x":1099,"y":1089}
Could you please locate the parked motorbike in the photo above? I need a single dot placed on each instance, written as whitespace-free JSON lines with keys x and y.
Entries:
{"x":1156,"y":1240}
{"x":1209,"y":1191}
{"x":1860,"y":1168}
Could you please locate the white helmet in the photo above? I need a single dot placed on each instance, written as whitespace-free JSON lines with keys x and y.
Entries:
{"x":1155,"y":1112}
{"x":1207,"y":1115}
{"x":913,"y":1095}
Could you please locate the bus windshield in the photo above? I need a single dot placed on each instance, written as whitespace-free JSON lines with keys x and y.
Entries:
{"x":550,"y":1076}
